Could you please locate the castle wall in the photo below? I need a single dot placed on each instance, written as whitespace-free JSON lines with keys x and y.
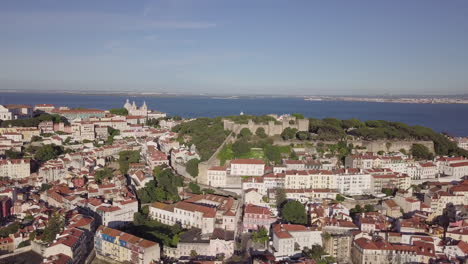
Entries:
{"x":271,"y":129}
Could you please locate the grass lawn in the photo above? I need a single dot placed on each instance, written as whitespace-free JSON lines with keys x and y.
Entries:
{"x":227,"y":154}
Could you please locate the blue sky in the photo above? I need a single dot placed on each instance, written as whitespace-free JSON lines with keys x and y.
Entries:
{"x":236,"y":47}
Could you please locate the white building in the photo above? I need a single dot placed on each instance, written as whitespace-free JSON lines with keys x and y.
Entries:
{"x":247,"y":167}
{"x":15,"y":168}
{"x":115,"y":245}
{"x":206,"y":212}
{"x":217,"y":176}
{"x":289,"y":240}
{"x":118,"y":214}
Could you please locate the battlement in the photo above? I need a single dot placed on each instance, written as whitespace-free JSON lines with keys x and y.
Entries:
{"x":272,"y":128}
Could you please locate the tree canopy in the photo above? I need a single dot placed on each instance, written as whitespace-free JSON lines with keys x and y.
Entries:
{"x":419,"y":151}
{"x":260,"y":235}
{"x":48,"y":152}
{"x":34,"y":122}
{"x":104,"y":173}
{"x":126,"y":157}
{"x":192,"y":167}
{"x":289,"y":133}
{"x":294,"y":212}
{"x":119,"y":111}
{"x":260,"y":132}
{"x":162,"y":188}
{"x":206,"y":133}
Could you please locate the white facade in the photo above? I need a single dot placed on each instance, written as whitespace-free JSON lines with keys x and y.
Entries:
{"x":216,"y":176}
{"x":247,"y":167}
{"x":290,"y":240}
{"x":15,"y":168}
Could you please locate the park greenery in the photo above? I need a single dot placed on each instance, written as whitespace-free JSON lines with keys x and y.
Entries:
{"x":335,"y":129}
{"x":207,"y":134}
{"x":260,"y":236}
{"x":192,"y":167}
{"x":126,"y":157}
{"x":294,"y":212}
{"x":421,"y":152}
{"x":11,"y":154}
{"x":53,"y":228}
{"x":9,"y":229}
{"x":119,"y":111}
{"x":162,"y":188}
{"x":112,"y":133}
{"x":359,"y":209}
{"x":47,"y":152}
{"x":104,"y":173}
{"x":194,"y":188}
{"x":34,"y":122}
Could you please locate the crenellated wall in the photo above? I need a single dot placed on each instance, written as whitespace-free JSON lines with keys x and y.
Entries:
{"x":272,"y":128}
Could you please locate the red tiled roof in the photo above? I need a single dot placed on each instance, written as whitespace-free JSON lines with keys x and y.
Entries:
{"x":248,"y":161}
{"x":459,"y":164}
{"x":253,"y":209}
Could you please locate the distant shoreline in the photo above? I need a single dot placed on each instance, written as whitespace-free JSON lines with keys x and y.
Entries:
{"x":402,"y":100}
{"x":407,"y":99}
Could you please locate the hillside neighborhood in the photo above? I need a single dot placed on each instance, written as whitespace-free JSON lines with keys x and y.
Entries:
{"x":135,"y":185}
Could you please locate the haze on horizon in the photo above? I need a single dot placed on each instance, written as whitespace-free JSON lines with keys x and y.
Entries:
{"x":236,"y":47}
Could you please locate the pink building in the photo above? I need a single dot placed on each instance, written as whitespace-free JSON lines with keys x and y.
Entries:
{"x":257,"y":216}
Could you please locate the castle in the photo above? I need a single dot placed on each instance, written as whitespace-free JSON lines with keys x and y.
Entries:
{"x":134,"y":110}
{"x":271,"y":128}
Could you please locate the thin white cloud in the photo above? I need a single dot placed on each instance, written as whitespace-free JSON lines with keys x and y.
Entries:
{"x":91,"y":22}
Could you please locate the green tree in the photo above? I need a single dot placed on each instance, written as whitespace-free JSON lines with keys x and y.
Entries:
{"x":240,"y":147}
{"x":421,"y":152}
{"x":289,"y":133}
{"x":119,"y":111}
{"x":298,"y":116}
{"x":351,"y":123}
{"x":112,"y":133}
{"x":24,"y":243}
{"x":387,"y":192}
{"x":280,"y":197}
{"x":11,"y":154}
{"x":340,"y":198}
{"x":104,"y":173}
{"x":260,"y":236}
{"x":302,"y":135}
{"x":207,"y":134}
{"x":192,"y":167}
{"x":315,"y":253}
{"x":54,"y":227}
{"x":294,"y":212}
{"x":273,"y":153}
{"x":126,"y":157}
{"x":369,"y":208}
{"x":260,"y":132}
{"x":357,"y":209}
{"x":9,"y":229}
{"x":194,"y":188}
{"x":48,"y":152}
{"x":152,"y":122}
{"x":45,"y":187}
{"x":293,"y":155}
{"x":245,"y":133}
